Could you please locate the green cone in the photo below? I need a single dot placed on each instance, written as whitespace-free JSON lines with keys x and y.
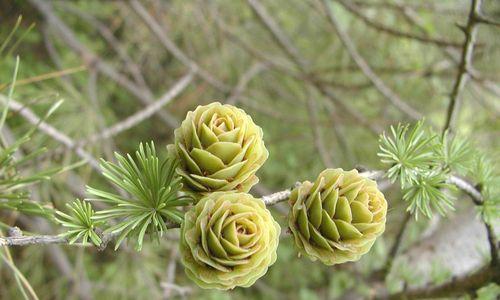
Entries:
{"x":220,"y":149}
{"x":337,"y":218}
{"x":228,"y":240}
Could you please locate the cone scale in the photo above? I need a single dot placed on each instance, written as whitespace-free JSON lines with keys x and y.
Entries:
{"x":219,"y":148}
{"x":337,"y":218}
{"x":228,"y":240}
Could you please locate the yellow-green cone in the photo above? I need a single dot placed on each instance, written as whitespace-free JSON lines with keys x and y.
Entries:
{"x":337,"y":218}
{"x":220,"y":148}
{"x":228,"y":240}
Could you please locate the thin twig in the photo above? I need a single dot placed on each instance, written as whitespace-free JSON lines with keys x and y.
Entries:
{"x":467,"y":188}
{"x":172,"y":47}
{"x":486,"y":20}
{"x":32,"y":240}
{"x":465,"y":64}
{"x":277,"y":197}
{"x":51,"y":131}
{"x":493,"y":241}
{"x":277,"y":33}
{"x":391,"y":256}
{"x":316,"y":131}
{"x":170,"y":280}
{"x":434,"y":7}
{"x":408,"y":35}
{"x":387,"y":92}
{"x":455,"y":287}
{"x":144,"y":113}
{"x":108,"y":35}
{"x":90,"y":58}
{"x":253,"y":71}
{"x":283,"y":41}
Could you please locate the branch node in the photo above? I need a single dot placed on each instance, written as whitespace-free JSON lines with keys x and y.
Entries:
{"x":15,"y":232}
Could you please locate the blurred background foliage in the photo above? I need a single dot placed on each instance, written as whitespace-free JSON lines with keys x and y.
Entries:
{"x":305,"y":127}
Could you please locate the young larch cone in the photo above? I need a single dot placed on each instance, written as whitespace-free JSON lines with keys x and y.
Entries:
{"x":337,"y":218}
{"x":220,"y":149}
{"x":227,"y":240}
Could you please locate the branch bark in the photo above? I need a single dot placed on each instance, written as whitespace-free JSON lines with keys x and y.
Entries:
{"x":90,"y":58}
{"x":407,"y":35}
{"x":457,"y":286}
{"x":141,"y":11}
{"x":386,"y":269}
{"x":388,"y":93}
{"x":465,"y":64}
{"x":51,"y":131}
{"x":144,"y":113}
{"x":293,"y":53}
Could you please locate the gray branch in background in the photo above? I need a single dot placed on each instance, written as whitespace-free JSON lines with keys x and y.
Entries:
{"x":456,"y":287}
{"x":387,"y":92}
{"x":464,"y":66}
{"x":293,"y":53}
{"x":144,"y":113}
{"x":108,"y":35}
{"x":51,"y":131}
{"x":407,"y":35}
{"x":243,"y":82}
{"x":144,"y":95}
{"x":141,"y":11}
{"x":319,"y":141}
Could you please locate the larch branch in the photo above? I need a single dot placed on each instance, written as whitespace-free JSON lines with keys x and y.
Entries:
{"x":51,"y":131}
{"x":386,"y":29}
{"x":293,"y":53}
{"x":141,"y":11}
{"x":90,"y":58}
{"x":387,"y":92}
{"x":455,"y":287}
{"x":464,"y":66}
{"x":144,"y":113}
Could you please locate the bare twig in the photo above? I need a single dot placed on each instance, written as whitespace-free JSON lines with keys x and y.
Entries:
{"x":367,"y":70}
{"x":435,"y":7}
{"x":281,"y":196}
{"x":316,"y":131}
{"x":486,"y":20}
{"x":277,"y":197}
{"x":51,"y":131}
{"x":455,"y":287}
{"x":108,"y":35}
{"x":168,"y":284}
{"x":144,"y":113}
{"x":144,"y":95}
{"x":253,"y":71}
{"x":32,"y":240}
{"x":278,"y":34}
{"x":282,"y":40}
{"x":408,"y":35}
{"x":467,"y":188}
{"x":386,"y":268}
{"x":493,"y":241}
{"x":172,"y":47}
{"x":478,"y":200}
{"x":465,"y":64}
